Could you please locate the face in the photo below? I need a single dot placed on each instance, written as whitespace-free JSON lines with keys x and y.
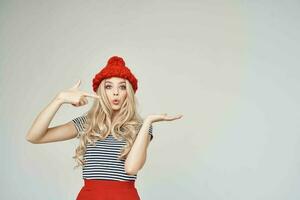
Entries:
{"x":115,"y":88}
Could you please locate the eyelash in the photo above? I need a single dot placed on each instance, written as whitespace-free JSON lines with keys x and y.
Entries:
{"x":110,"y":86}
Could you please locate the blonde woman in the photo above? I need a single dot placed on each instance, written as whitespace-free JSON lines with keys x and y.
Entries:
{"x":113,"y":137}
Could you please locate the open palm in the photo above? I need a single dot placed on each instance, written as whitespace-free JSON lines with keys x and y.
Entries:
{"x":162,"y":117}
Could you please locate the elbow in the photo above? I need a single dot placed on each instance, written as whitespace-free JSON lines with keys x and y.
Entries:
{"x":30,"y":140}
{"x":131,"y":171}
{"x":133,"y":168}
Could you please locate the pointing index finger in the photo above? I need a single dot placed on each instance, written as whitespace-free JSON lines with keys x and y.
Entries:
{"x":91,"y":95}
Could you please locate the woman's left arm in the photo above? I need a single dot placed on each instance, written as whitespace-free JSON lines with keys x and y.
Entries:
{"x":137,"y":156}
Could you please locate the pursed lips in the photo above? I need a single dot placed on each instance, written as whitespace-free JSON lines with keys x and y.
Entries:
{"x":115,"y":101}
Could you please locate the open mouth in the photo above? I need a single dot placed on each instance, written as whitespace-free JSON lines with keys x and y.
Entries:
{"x":116,"y":102}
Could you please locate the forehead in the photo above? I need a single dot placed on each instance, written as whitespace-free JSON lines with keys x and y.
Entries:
{"x":115,"y":80}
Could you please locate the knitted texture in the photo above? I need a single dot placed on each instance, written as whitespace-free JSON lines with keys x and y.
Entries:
{"x":115,"y":67}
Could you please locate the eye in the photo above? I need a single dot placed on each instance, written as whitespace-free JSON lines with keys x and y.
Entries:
{"x":107,"y":86}
{"x":123,"y":86}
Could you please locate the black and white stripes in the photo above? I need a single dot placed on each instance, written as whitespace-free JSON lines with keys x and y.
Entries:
{"x":150,"y":131}
{"x":79,"y":124}
{"x":102,"y":159}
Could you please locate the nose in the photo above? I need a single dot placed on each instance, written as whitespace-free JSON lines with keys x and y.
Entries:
{"x":116,"y":93}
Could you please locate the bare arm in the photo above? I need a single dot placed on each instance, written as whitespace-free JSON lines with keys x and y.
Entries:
{"x":40,"y":131}
{"x":138,"y":153}
{"x":136,"y":158}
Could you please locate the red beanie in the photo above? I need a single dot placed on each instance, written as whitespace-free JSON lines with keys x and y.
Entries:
{"x":115,"y":67}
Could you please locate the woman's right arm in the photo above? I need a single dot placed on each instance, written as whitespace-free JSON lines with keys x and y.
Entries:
{"x":40,"y":131}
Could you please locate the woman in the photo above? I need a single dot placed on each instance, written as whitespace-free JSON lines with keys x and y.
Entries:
{"x":113,"y":138}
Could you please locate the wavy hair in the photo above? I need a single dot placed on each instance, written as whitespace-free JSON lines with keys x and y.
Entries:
{"x":99,"y":125}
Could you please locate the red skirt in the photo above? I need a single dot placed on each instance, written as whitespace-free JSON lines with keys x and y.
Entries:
{"x":95,"y":189}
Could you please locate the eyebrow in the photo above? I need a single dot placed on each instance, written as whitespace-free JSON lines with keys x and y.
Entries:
{"x":111,"y":82}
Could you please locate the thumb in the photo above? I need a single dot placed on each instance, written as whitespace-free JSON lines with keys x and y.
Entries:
{"x":76,"y":85}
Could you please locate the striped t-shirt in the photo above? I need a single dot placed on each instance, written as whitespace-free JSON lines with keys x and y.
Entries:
{"x":101,"y":160}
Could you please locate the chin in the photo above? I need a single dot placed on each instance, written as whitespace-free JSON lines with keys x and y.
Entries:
{"x":116,"y":107}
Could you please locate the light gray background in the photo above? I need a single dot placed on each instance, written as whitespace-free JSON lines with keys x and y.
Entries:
{"x":230,"y":67}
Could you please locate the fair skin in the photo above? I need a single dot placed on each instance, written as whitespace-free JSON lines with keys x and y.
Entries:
{"x":136,"y":158}
{"x":115,"y":88}
{"x":40,"y":132}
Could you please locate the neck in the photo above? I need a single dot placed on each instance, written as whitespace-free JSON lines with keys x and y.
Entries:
{"x":114,"y":114}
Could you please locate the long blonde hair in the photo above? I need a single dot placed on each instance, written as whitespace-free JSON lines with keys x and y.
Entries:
{"x":99,"y":125}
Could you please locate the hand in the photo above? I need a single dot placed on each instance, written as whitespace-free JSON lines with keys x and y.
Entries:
{"x":75,"y":96}
{"x":162,"y":117}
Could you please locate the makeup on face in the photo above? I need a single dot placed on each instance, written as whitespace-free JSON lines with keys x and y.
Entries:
{"x":108,"y":86}
{"x":116,"y":102}
{"x":122,"y":85}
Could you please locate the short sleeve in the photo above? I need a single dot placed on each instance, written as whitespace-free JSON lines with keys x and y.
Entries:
{"x":150,"y":131}
{"x":79,"y":124}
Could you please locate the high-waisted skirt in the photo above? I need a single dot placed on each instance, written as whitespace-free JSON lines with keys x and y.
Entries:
{"x":96,"y":189}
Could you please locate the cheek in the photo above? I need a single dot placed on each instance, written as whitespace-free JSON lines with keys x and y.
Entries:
{"x":124,"y":96}
{"x":108,"y":94}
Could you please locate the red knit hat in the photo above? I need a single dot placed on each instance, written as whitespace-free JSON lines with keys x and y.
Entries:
{"x":115,"y":67}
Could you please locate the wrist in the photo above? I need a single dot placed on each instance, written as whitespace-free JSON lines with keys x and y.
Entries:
{"x":58,"y":100}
